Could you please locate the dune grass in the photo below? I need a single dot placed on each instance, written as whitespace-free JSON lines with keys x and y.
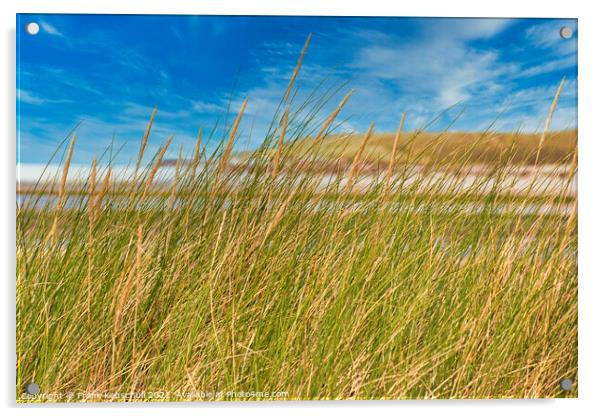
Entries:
{"x":436,"y":148}
{"x":246,"y":279}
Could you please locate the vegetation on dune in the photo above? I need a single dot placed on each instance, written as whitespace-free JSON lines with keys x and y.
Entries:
{"x":246,"y":279}
{"x":436,"y":149}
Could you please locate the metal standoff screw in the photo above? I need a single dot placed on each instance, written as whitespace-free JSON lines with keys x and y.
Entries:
{"x":566,"y":32}
{"x":32,"y":388}
{"x":566,"y":384}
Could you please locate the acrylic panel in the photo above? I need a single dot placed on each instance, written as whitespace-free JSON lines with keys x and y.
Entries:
{"x":295,"y":208}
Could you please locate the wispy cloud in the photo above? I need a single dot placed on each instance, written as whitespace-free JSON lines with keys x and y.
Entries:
{"x":547,"y":36}
{"x":551,"y":65}
{"x":468,"y":29}
{"x":278,"y":48}
{"x":50,"y":29}
{"x":206,"y":107}
{"x":441,"y":69}
{"x":29,"y":98}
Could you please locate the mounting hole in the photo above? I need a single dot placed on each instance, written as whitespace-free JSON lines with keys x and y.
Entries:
{"x":566,"y":32}
{"x":32,"y":28}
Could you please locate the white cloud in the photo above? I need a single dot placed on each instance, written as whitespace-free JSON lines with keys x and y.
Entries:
{"x":34,"y":99}
{"x":206,"y":107}
{"x":29,"y":98}
{"x":541,"y":94}
{"x":534,"y":121}
{"x":444,"y":67}
{"x":469,"y":29}
{"x":547,"y":36}
{"x":549,"y":66}
{"x":50,"y":29}
{"x":528,"y":108}
{"x":444,"y":70}
{"x":278,"y":48}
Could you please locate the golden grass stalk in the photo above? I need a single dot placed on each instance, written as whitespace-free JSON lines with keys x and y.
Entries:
{"x":278,"y":154}
{"x":357,"y":159}
{"x":89,"y":274}
{"x":394,"y":151}
{"x":174,"y":186}
{"x":101,"y":194}
{"x":573,"y":167}
{"x":297,"y":67}
{"x":549,"y":119}
{"x":223,"y":163}
{"x":92,"y":190}
{"x":123,"y":288}
{"x":144,"y":141}
{"x":573,"y":214}
{"x":276,"y":220}
{"x":156,"y":166}
{"x":197,"y":150}
{"x":322,"y":133}
{"x":564,"y":242}
{"x":195,"y":164}
{"x":138,"y":266}
{"x":61,"y":198}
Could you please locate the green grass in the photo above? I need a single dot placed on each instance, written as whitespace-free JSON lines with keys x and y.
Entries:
{"x":242,"y":280}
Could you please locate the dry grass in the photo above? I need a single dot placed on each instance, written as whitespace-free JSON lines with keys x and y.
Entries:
{"x":355,"y":165}
{"x":439,"y":148}
{"x":145,"y":141}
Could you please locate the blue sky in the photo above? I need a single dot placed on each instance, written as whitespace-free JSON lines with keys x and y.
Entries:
{"x":104,"y":73}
